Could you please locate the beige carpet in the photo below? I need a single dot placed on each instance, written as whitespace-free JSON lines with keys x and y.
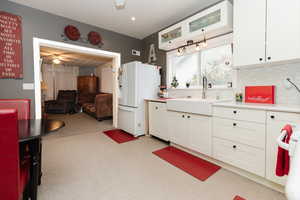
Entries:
{"x":80,"y":163}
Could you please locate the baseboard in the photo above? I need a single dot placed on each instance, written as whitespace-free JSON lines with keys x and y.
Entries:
{"x":253,"y":177}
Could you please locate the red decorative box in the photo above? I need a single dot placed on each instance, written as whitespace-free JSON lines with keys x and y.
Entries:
{"x":260,"y":94}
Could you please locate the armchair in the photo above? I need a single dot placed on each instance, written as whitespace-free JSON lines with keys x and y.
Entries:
{"x":66,"y":102}
{"x":102,"y":108}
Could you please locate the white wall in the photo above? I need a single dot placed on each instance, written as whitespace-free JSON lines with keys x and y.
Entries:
{"x":105,"y":74}
{"x":273,"y":75}
{"x":265,"y":75}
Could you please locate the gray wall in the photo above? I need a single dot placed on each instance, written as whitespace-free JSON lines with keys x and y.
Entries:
{"x":86,"y":71}
{"x":160,"y":54}
{"x":47,"y":26}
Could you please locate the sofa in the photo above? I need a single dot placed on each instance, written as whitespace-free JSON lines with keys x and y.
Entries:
{"x":66,"y":102}
{"x":101,"y":108}
{"x":86,"y":98}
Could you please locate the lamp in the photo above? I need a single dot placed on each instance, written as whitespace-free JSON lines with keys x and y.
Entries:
{"x":199,"y":44}
{"x":204,"y":43}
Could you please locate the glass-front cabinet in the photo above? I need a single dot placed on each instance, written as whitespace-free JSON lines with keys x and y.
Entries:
{"x":214,"y":21}
{"x":205,"y":21}
{"x":172,"y":37}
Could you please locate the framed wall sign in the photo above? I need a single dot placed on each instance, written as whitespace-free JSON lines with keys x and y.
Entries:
{"x":11,"y":64}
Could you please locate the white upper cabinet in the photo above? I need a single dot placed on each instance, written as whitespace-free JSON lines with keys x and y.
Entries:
{"x":215,"y":20}
{"x":283,"y":30}
{"x":249,"y":32}
{"x":172,"y":37}
{"x":266,"y":32}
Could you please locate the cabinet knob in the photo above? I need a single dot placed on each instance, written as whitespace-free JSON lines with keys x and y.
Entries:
{"x":260,"y":59}
{"x":269,"y":58}
{"x":234,"y":112}
{"x":234,"y":124}
{"x":183,"y":116}
{"x":156,"y":108}
{"x":189,"y":117}
{"x":272,"y":117}
{"x":234,"y":146}
{"x":170,"y":42}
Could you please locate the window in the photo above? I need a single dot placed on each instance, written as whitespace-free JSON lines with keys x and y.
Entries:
{"x":214,"y":63}
{"x":184,"y":74}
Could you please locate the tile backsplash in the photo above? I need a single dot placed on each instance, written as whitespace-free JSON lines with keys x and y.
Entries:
{"x":273,"y":75}
{"x":265,"y":75}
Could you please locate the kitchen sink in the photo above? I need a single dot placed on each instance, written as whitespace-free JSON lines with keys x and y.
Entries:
{"x":193,"y":105}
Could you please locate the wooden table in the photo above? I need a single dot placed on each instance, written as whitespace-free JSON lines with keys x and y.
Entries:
{"x":30,"y":139}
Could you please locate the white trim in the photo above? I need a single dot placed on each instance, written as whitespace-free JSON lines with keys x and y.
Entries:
{"x":37,"y":42}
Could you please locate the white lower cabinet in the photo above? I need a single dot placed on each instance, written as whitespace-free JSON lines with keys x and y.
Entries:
{"x":275,"y":122}
{"x":239,"y":138}
{"x":239,"y":155}
{"x":190,"y":131}
{"x":157,"y":120}
{"x":177,"y":127}
{"x":199,"y":129}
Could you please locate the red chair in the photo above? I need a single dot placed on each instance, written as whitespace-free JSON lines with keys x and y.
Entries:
{"x":14,"y":175}
{"x":22,"y":106}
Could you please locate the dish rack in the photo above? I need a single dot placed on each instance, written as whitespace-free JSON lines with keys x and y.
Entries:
{"x":293,"y":181}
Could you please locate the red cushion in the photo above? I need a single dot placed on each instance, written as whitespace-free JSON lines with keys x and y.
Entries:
{"x":24,"y":175}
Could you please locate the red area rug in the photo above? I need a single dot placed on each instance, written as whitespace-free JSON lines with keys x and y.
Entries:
{"x":238,"y":198}
{"x":189,"y":163}
{"x":119,"y":136}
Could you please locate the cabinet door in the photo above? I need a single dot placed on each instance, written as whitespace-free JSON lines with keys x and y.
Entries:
{"x":275,"y":122}
{"x":199,"y":131}
{"x":249,"y":32}
{"x":177,"y":128}
{"x":172,"y":37}
{"x":158,"y":120}
{"x":283,"y":30}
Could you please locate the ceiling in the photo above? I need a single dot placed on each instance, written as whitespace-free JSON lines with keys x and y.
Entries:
{"x":72,"y":58}
{"x":151,"y":15}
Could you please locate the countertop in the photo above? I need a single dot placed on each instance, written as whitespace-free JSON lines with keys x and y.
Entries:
{"x":161,"y":100}
{"x":267,"y":107}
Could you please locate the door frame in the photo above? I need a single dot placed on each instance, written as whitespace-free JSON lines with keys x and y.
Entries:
{"x":116,"y":62}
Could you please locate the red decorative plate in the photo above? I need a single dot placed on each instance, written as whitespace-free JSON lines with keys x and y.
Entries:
{"x":94,"y":38}
{"x":72,"y":32}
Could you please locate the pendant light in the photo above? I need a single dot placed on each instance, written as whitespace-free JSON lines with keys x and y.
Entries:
{"x":204,"y":43}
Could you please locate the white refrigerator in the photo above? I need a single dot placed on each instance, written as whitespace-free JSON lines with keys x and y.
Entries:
{"x":137,"y":82}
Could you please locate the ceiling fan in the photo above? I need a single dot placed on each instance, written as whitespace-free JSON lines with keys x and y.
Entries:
{"x":120,"y":4}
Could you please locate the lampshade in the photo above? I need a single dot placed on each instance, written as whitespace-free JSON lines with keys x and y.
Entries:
{"x":43,"y":85}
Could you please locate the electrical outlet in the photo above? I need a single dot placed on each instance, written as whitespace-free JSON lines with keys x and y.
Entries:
{"x":135,"y":52}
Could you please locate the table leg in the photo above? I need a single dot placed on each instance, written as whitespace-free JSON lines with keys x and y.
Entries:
{"x":35,"y":173}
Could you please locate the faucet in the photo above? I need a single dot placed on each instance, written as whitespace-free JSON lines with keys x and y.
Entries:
{"x":204,"y":88}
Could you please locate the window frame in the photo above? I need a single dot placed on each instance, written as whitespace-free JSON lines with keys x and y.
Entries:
{"x":212,"y":43}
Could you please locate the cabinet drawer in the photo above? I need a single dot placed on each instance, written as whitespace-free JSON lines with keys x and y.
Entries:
{"x":293,"y":118}
{"x":248,"y":133}
{"x":258,"y":116}
{"x":239,"y":155}
{"x":157,"y":106}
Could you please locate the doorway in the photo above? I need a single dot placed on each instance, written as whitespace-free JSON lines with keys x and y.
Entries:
{"x":115,"y":61}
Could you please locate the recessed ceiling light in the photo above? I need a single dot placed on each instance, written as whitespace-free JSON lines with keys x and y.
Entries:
{"x":133,"y":19}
